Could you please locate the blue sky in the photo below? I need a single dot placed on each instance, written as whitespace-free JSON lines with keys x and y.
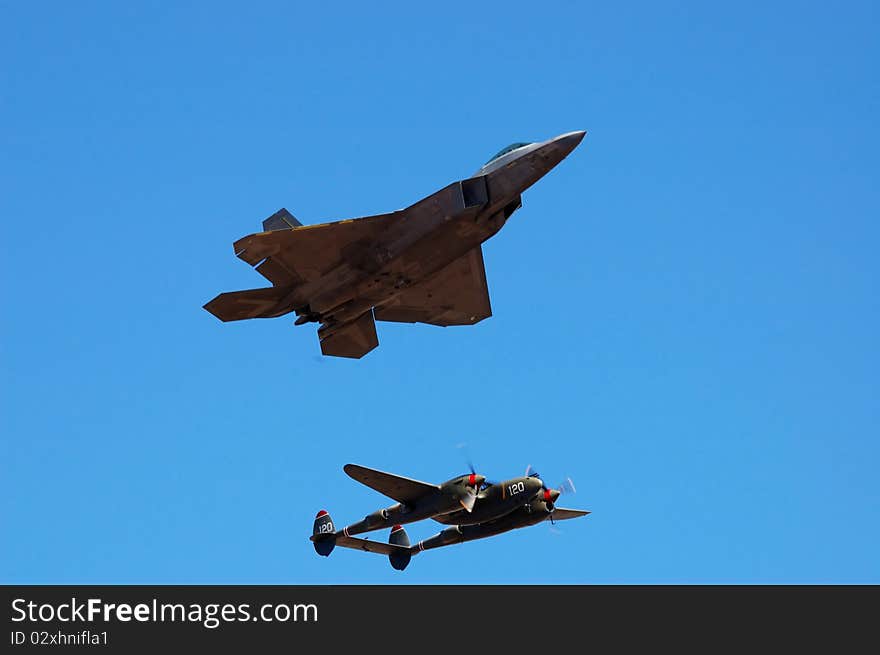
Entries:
{"x":685,"y":311}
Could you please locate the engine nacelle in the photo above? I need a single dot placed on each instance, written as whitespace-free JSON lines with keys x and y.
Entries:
{"x":377,"y":517}
{"x":451,"y":535}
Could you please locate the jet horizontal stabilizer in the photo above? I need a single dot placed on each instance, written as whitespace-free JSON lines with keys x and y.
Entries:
{"x":253,"y":303}
{"x":397,"y":549}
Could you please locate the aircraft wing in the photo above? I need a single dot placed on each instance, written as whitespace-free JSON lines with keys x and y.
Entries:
{"x":403,"y":490}
{"x":455,"y":295}
{"x":561,"y":514}
{"x":296,"y":255}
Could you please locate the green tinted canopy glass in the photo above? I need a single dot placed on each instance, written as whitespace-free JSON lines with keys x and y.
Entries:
{"x":510,"y":148}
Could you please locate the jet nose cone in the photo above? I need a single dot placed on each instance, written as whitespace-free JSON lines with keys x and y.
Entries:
{"x":570,"y":140}
{"x":576,"y":136}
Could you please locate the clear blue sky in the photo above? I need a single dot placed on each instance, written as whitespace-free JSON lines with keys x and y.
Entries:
{"x":686,"y":311}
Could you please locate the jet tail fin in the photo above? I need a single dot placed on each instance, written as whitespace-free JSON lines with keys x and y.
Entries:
{"x":280,"y":220}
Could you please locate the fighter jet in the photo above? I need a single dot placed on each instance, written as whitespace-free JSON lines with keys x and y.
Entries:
{"x":422,"y":264}
{"x":473,"y":506}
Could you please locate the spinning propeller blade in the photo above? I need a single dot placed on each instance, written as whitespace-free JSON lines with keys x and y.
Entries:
{"x":468,"y":500}
{"x":485,"y":483}
{"x":567,"y":487}
{"x":550,"y":495}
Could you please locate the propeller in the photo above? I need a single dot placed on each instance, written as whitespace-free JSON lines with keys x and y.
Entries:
{"x":472,"y":482}
{"x":463,"y":446}
{"x":470,"y":497}
{"x":567,"y":487}
{"x":550,"y":495}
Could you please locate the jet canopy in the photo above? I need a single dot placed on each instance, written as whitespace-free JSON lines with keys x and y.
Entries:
{"x":504,"y":151}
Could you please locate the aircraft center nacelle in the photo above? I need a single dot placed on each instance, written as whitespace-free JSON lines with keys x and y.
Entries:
{"x":496,"y":501}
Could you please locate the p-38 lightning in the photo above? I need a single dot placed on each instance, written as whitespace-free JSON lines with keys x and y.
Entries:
{"x":474,"y":508}
{"x":422,"y":264}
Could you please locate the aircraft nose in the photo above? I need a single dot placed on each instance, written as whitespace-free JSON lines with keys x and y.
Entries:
{"x":533,"y":164}
{"x":570,"y":140}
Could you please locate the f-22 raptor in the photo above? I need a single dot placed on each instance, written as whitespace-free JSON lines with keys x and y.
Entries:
{"x":422,"y":264}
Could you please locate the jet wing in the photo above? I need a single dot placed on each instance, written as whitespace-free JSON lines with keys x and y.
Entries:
{"x":403,"y":490}
{"x":303,"y":253}
{"x":561,"y":514}
{"x":455,"y":295}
